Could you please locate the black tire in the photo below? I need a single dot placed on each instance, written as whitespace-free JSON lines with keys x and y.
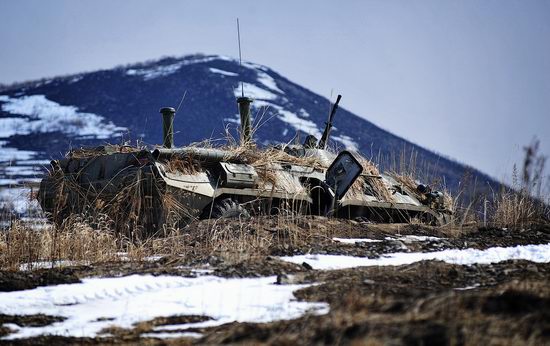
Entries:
{"x":229,"y":209}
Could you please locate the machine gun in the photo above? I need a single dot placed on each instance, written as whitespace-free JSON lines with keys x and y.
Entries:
{"x":328,"y":125}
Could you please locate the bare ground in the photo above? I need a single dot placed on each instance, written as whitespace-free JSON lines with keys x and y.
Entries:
{"x":428,"y":302}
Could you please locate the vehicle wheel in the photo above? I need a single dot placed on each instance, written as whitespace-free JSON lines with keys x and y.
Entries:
{"x":228,"y":209}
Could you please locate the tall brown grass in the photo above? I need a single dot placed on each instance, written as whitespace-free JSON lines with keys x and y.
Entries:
{"x":77,"y":243}
{"x":527,"y":201}
{"x":23,"y":245}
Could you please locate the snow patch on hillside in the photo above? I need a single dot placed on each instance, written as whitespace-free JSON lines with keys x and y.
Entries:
{"x":255,"y":92}
{"x":292,"y":119}
{"x":347,"y":141}
{"x":12,"y":154}
{"x":99,"y":303}
{"x":223,"y":72}
{"x":35,"y":113}
{"x":268,"y":82}
{"x":303,"y":113}
{"x":156,"y":71}
{"x":76,"y":78}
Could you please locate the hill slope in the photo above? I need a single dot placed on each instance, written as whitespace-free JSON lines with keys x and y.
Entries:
{"x":41,"y":120}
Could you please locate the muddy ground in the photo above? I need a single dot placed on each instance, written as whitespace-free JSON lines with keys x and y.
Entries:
{"x":424,"y":303}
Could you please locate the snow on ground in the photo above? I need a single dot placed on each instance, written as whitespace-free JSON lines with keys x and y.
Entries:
{"x":467,"y":287}
{"x":6,"y":182}
{"x":405,"y":238}
{"x":356,"y":240}
{"x":171,"y":335}
{"x":17,"y":199}
{"x":49,"y":264}
{"x":98,"y":303}
{"x":413,"y":238}
{"x":535,"y":253}
{"x":223,"y":72}
{"x":35,"y":113}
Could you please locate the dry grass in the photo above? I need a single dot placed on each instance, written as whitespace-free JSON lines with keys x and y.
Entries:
{"x":517,"y":209}
{"x":369,"y":181}
{"x":129,"y":212}
{"x":74,"y":241}
{"x":184,"y":165}
{"x":83,"y":153}
{"x":525,"y":203}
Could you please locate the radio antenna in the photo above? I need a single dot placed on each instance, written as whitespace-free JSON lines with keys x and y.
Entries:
{"x":240,"y":56}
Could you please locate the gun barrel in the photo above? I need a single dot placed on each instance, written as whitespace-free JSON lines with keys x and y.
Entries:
{"x":206,"y":154}
{"x":324,"y":139}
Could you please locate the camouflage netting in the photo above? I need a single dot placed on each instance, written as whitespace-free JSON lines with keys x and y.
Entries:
{"x":131,"y":212}
{"x":137,"y":208}
{"x":83,"y":153}
{"x":411,"y":184}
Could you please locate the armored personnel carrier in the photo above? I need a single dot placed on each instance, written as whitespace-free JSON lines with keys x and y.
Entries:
{"x":141,"y":192}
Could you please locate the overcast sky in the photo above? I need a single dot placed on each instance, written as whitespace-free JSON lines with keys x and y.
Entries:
{"x":468,"y":79}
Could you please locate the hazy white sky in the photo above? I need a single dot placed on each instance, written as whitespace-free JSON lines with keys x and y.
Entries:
{"x":468,"y":79}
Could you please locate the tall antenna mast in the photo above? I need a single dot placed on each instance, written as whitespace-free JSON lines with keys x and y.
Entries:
{"x":244,"y":102}
{"x":240,"y":56}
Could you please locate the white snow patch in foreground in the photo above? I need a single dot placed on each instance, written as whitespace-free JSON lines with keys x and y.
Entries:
{"x":534,"y":253}
{"x":50,"y":264}
{"x":467,"y":287}
{"x":223,"y":72}
{"x":171,"y":335}
{"x":131,"y":299}
{"x":413,"y":238}
{"x":356,"y":240}
{"x":42,"y":115}
{"x":405,"y":238}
